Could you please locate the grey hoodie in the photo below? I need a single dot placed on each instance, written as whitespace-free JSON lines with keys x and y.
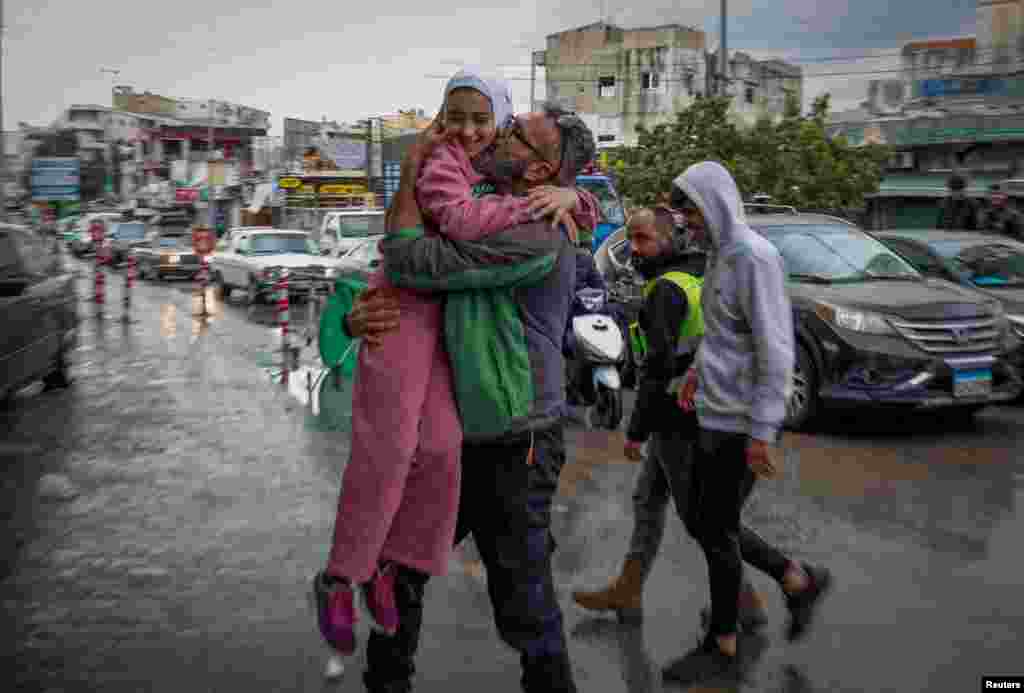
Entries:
{"x":745,"y":361}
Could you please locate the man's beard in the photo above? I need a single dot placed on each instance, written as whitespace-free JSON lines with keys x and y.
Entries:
{"x":500,"y":171}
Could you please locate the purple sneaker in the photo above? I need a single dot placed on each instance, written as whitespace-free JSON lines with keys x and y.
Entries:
{"x":336,"y":612}
{"x":379,"y":597}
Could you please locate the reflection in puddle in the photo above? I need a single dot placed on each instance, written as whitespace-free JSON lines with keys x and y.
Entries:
{"x":168,"y":320}
{"x":208,"y":299}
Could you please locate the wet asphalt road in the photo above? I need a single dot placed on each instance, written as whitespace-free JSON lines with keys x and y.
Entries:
{"x":163,"y":517}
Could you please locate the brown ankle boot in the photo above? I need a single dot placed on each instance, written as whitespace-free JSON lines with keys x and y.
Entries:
{"x":624,"y":594}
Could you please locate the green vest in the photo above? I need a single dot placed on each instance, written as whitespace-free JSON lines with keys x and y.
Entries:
{"x":692,"y":328}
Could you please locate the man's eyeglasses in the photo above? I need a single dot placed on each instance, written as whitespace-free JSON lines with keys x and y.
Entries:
{"x":515,"y":129}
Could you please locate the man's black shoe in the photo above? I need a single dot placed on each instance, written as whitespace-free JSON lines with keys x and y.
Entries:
{"x":707,"y":664}
{"x":702,"y":664}
{"x":802,"y":605}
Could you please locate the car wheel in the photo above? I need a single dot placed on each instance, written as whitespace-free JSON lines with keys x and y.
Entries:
{"x":222,"y":286}
{"x":803,"y":401}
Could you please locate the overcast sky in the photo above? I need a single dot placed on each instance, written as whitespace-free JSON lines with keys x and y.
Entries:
{"x":348,"y":60}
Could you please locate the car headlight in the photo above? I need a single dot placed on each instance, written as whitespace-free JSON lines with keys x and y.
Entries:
{"x":854,"y":320}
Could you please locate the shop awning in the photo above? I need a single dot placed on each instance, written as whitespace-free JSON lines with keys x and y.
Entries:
{"x":932,"y":185}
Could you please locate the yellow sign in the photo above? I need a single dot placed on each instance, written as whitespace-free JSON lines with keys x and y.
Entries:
{"x":289,"y":182}
{"x":342,"y":189}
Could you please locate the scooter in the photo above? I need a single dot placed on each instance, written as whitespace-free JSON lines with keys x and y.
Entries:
{"x":596,"y":352}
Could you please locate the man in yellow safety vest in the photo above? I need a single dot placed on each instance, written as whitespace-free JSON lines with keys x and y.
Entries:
{"x":665,"y":339}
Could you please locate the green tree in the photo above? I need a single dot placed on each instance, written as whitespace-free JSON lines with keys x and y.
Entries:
{"x":791,"y":159}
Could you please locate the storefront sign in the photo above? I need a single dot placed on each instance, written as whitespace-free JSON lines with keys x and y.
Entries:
{"x":342,"y":189}
{"x":981,"y":86}
{"x":55,"y":178}
{"x":289,"y":183}
{"x":946,"y":135}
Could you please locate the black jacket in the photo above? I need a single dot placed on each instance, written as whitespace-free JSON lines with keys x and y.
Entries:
{"x":664,"y":310}
{"x":587,"y":274}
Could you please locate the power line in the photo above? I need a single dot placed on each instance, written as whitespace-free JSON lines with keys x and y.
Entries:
{"x":805,"y":75}
{"x":801,"y":61}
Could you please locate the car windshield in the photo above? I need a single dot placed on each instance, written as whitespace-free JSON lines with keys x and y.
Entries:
{"x":610,"y":203}
{"x":835,"y":253}
{"x":362,"y":226}
{"x":131,"y":232}
{"x":990,"y":264}
{"x":276,"y":243}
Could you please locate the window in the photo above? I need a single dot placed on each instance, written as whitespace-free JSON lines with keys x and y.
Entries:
{"x":606,"y":87}
{"x":834,"y":252}
{"x":650,"y":81}
{"x":749,"y":95}
{"x":272,"y":244}
{"x":606,"y":138}
{"x":918,"y":256}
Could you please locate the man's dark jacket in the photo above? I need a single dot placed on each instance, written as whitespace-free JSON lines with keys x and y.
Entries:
{"x":664,"y":310}
{"x":958,"y":214}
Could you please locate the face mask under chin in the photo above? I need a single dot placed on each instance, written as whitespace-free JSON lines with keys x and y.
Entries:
{"x":498,"y":170}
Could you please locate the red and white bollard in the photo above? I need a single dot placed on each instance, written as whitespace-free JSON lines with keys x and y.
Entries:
{"x":281,"y":287}
{"x":99,"y":283}
{"x":129,"y":283}
{"x":203,"y":277}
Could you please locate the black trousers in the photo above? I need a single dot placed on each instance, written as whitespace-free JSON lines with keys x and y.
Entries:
{"x":505,"y":503}
{"x":720,"y":484}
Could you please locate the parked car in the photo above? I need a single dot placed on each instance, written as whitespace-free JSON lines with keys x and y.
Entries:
{"x":342,"y":231}
{"x":123,"y":237}
{"x":38,"y":302}
{"x":612,"y":212}
{"x":360,"y":261}
{"x":987,"y":262}
{"x":80,"y":240}
{"x":254,"y":259}
{"x":167,"y":253}
{"x":873,"y":331}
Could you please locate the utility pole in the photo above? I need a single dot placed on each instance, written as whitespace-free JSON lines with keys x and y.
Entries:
{"x":110,"y":144}
{"x":723,"y":57}
{"x":3,"y":135}
{"x":209,"y":170}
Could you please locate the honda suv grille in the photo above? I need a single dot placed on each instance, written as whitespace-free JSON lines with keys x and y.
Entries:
{"x":952,"y":338}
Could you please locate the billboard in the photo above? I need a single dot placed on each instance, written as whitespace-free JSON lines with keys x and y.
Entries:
{"x":56,"y":178}
{"x":346,"y":153}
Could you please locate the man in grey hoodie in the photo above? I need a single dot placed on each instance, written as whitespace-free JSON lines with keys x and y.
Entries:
{"x":738,"y":385}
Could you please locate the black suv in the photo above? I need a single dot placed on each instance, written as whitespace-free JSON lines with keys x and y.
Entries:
{"x":872,"y":331}
{"x":39,"y":308}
